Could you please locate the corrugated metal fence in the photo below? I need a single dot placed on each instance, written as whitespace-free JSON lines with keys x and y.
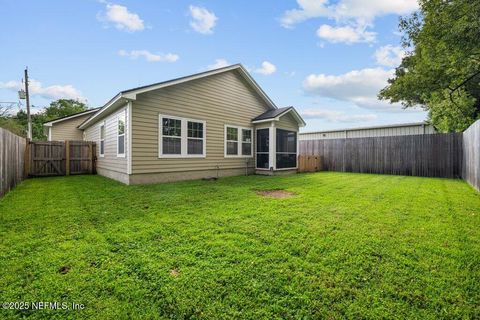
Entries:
{"x":12,"y":160}
{"x":471,"y":155}
{"x":433,"y":155}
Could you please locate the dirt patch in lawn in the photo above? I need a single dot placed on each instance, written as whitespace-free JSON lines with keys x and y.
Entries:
{"x":64,"y":269}
{"x":174,"y":272}
{"x":278,"y":194}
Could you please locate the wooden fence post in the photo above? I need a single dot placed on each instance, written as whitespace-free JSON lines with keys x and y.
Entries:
{"x":27,"y":158}
{"x":90,"y":157}
{"x":67,"y":158}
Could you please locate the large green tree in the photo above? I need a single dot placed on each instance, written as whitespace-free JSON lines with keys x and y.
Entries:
{"x":441,"y":71}
{"x":57,"y":109}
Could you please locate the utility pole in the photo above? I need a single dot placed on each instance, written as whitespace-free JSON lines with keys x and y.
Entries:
{"x":29,"y":118}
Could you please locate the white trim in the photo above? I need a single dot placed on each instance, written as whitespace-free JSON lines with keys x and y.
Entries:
{"x":49,"y":123}
{"x":183,"y":138}
{"x":256,"y":145}
{"x":132,"y":94}
{"x":239,"y":142}
{"x":129,"y":137}
{"x":121,"y":155}
{"x":50,"y":133}
{"x":100,"y":154}
{"x":272,"y":140}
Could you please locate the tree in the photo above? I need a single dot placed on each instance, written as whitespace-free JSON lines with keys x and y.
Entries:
{"x":441,"y":71}
{"x":63,"y":107}
{"x":57,"y":109}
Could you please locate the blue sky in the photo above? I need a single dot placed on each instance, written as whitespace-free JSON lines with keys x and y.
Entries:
{"x":326,"y":58}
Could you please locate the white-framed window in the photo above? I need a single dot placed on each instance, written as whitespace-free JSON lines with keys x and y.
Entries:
{"x":121,"y":134}
{"x":102,"y":140}
{"x":238,"y":141}
{"x":181,"y":137}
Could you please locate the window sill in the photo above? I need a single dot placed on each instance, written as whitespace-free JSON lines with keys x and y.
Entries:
{"x":174,"y":156}
{"x":233,"y":156}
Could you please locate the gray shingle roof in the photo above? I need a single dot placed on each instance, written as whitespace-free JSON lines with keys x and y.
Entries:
{"x":270,"y":114}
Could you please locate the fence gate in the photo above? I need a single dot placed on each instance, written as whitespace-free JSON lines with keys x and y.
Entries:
{"x":57,"y":158}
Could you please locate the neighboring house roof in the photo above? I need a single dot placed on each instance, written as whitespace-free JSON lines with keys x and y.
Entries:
{"x":131,"y":94}
{"x":277,"y":113}
{"x":71,"y":116}
{"x":398,"y":125}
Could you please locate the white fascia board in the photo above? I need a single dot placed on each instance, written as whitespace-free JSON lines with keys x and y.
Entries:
{"x":101,"y":111}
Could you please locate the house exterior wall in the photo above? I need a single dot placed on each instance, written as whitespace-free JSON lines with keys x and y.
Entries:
{"x":110,"y":164}
{"x":67,"y":129}
{"x":370,"y":132}
{"x":287,"y":122}
{"x":221,"y":99}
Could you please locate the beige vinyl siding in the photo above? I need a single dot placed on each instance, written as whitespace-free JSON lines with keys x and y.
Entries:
{"x":222,"y":99}
{"x":287,"y":122}
{"x":110,"y":161}
{"x":67,"y":129}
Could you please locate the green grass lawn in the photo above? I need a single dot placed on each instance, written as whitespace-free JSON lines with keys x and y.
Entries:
{"x":344,"y":246}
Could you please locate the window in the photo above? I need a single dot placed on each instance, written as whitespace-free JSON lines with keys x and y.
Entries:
{"x":263,"y":148}
{"x":286,"y":156}
{"x":195,"y":137}
{"x":232,"y":141}
{"x":181,"y":137}
{"x":246,"y":142}
{"x":238,"y":141}
{"x":172,"y":136}
{"x":121,"y":135}
{"x":102,"y":140}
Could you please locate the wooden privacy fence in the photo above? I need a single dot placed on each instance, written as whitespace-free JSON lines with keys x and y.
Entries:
{"x":12,"y":160}
{"x":431,"y":155}
{"x":308,"y":163}
{"x":57,"y":158}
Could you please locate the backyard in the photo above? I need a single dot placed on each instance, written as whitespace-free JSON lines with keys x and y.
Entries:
{"x":332,"y":245}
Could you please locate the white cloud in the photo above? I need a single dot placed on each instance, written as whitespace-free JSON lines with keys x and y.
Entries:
{"x":308,"y":9}
{"x":203,"y":20}
{"x":219,"y":63}
{"x":121,"y":18}
{"x":345,"y":34}
{"x":362,"y":11}
{"x":151,"y":57}
{"x":267,"y":68}
{"x":337,"y":116}
{"x":358,"y":86}
{"x":389,"y":56}
{"x":354,"y":14}
{"x":54,"y":92}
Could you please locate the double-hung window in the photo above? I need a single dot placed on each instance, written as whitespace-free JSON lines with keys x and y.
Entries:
{"x":181,"y":138}
{"x":121,"y":134}
{"x":238,"y":141}
{"x":102,"y":140}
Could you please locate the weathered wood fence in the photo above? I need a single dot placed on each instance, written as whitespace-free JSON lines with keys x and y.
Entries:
{"x":12,"y":160}
{"x":471,"y":155}
{"x":58,"y":158}
{"x":430,"y":155}
{"x":308,"y":163}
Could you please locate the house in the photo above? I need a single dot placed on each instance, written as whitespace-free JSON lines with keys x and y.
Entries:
{"x":66,"y":128}
{"x":400,"y":129}
{"x":211,"y":124}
